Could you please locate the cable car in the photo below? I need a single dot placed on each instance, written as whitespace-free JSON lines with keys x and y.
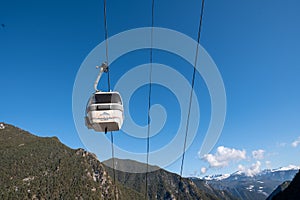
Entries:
{"x":104,"y":110}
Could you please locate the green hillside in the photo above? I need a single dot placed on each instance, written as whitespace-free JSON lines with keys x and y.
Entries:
{"x":44,"y":168}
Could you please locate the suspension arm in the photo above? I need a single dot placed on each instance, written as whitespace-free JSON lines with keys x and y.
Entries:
{"x":103,"y":68}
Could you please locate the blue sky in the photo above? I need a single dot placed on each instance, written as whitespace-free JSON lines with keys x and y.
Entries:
{"x":255,"y":45}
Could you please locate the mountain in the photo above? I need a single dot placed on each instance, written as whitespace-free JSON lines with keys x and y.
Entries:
{"x":163,"y":184}
{"x":279,"y":189}
{"x":289,"y":190}
{"x":43,"y":168}
{"x":127,"y":165}
{"x":257,"y":187}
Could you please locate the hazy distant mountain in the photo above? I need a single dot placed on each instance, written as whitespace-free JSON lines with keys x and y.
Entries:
{"x":257,"y":187}
{"x":287,"y":190}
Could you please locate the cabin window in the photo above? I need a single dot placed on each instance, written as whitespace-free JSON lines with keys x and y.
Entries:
{"x":107,"y":98}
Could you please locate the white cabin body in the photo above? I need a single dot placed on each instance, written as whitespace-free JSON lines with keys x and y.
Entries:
{"x":104,"y":112}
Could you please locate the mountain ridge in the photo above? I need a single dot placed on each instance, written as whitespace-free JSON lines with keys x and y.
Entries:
{"x":169,"y":184}
{"x":265,"y":171}
{"x":44,"y":168}
{"x":33,"y":167}
{"x":257,"y":187}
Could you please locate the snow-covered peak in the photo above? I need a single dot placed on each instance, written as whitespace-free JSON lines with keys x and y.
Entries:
{"x":239,"y":174}
{"x":287,"y":168}
{"x":216,"y":177}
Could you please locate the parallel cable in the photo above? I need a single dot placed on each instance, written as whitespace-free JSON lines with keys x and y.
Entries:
{"x":106,"y":43}
{"x":191,"y":92}
{"x":108,"y":83}
{"x":113,"y":161}
{"x":149,"y":100}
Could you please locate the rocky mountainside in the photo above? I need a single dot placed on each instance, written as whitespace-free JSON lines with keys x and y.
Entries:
{"x":43,"y":168}
{"x":290,"y":190}
{"x":257,"y":187}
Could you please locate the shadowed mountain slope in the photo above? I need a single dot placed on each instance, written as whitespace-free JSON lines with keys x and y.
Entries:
{"x":289,"y":191}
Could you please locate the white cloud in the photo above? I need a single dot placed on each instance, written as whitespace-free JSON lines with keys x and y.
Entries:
{"x":224,"y":156}
{"x":258,"y":154}
{"x":253,"y":170}
{"x":203,"y":170}
{"x":241,"y":168}
{"x":296,"y":142}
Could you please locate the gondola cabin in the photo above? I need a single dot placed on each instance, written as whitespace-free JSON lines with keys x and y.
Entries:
{"x":104,"y":112}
